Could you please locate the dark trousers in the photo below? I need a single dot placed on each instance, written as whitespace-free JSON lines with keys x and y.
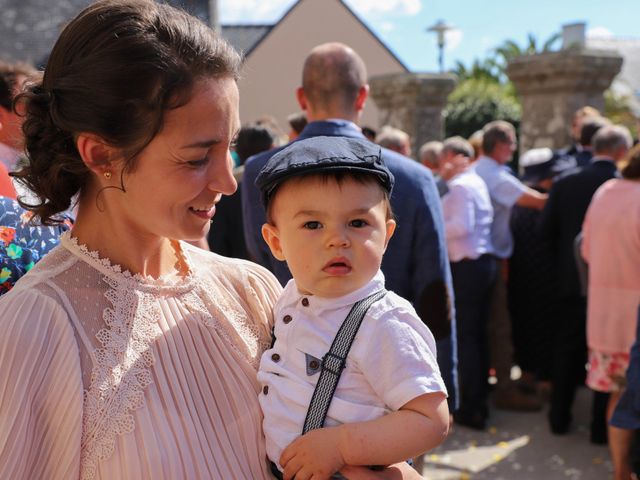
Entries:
{"x":472,"y":282}
{"x":569,"y":359}
{"x":501,"y":354}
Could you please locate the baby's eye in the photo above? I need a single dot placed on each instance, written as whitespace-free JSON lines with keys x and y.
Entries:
{"x":313,"y":225}
{"x":358,"y":223}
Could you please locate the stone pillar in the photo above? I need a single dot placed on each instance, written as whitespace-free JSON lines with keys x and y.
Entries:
{"x":413,"y":102}
{"x":552,"y":86}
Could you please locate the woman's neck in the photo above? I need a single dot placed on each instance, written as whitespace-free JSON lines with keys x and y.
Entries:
{"x":123,"y":245}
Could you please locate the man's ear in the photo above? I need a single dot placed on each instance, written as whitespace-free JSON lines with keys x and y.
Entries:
{"x":361,"y":99}
{"x":97,"y":155}
{"x":272,"y":237}
{"x":391,"y":227}
{"x":302,"y":98}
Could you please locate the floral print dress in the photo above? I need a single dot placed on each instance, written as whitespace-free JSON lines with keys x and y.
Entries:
{"x":22,"y":244}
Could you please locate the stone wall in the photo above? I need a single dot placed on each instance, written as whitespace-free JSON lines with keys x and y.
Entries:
{"x":413,"y":102}
{"x":552,"y":86}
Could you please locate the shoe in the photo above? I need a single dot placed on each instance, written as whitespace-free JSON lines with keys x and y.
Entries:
{"x":512,"y":398}
{"x":476,"y":421}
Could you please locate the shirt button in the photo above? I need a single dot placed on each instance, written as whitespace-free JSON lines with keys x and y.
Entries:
{"x":314,"y":364}
{"x":265,"y":389}
{"x":287,"y":318}
{"x":275,"y":357}
{"x":305,"y":302}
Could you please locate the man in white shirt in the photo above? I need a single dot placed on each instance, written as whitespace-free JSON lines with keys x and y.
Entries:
{"x":468,"y":216}
{"x":505,"y":190}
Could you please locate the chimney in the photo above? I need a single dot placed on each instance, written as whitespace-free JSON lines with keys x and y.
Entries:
{"x":573,"y":35}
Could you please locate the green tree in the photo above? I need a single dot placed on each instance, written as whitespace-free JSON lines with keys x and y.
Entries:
{"x":476,"y":102}
{"x":484,"y":93}
{"x":617,"y":109}
{"x":510,"y":50}
{"x":486,"y":69}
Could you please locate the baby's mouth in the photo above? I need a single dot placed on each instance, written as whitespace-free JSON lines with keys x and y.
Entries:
{"x":337,"y":266}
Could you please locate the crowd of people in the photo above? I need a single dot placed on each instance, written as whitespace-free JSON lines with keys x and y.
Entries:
{"x":129,"y":350}
{"x":544,"y":270}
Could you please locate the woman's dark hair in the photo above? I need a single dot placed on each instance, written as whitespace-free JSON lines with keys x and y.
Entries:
{"x":631,"y":170}
{"x":114,"y":72}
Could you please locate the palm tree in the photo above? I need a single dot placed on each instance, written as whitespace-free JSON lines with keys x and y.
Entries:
{"x":510,"y":49}
{"x":486,"y":69}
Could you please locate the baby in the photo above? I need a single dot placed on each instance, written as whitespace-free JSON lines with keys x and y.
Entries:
{"x":329,"y":218}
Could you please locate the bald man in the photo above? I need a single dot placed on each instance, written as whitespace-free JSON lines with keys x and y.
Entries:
{"x":333,"y":94}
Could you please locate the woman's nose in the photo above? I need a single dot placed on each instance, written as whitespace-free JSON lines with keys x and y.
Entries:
{"x":221,"y":179}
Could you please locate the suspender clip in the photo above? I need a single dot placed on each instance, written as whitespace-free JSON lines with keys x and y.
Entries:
{"x":333,"y":364}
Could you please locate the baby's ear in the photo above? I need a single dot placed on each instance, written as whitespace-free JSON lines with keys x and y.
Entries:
{"x":391,"y":227}
{"x":272,"y":237}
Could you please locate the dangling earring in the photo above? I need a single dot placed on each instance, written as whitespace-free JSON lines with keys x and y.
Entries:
{"x":107,"y":175}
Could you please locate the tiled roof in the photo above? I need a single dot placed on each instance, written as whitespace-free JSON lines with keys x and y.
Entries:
{"x":29,"y":28}
{"x":245,"y":37}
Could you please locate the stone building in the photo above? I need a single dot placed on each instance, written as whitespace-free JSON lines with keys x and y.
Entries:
{"x":553,"y":85}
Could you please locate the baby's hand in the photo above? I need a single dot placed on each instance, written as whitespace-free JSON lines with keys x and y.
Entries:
{"x":314,"y":455}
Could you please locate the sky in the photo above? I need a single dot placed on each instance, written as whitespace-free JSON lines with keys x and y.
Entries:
{"x":479,"y":25}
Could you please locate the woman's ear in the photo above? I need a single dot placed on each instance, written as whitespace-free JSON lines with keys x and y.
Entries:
{"x":97,"y":155}
{"x":272,"y":237}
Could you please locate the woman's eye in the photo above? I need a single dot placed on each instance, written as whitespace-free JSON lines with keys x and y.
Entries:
{"x":358,"y":223}
{"x":198,"y":163}
{"x":312,"y":225}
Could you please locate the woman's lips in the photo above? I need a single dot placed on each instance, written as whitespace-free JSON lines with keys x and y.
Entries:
{"x":205,"y":214}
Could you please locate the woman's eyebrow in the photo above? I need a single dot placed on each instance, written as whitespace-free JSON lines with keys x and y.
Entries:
{"x":202,"y":144}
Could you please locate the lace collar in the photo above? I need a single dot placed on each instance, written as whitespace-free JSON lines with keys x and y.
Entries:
{"x":174,"y":282}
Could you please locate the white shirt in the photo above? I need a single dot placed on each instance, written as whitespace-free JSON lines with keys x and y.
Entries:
{"x":505,"y":190}
{"x":468,"y":215}
{"x":392,"y":361}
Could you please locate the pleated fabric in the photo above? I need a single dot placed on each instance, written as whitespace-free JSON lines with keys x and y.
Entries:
{"x":108,"y":375}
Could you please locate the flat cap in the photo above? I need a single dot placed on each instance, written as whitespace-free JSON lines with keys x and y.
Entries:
{"x":321,"y":155}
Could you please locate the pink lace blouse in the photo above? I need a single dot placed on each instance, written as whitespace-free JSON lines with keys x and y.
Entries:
{"x":104,"y":374}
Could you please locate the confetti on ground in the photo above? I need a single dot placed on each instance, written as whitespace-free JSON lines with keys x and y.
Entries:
{"x":474,"y":459}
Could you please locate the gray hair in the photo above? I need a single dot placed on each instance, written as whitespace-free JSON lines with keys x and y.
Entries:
{"x":458,"y":146}
{"x":610,"y":138}
{"x":430,"y":153}
{"x":392,"y":138}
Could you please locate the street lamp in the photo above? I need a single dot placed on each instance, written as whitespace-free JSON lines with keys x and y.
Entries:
{"x":440,"y":28}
